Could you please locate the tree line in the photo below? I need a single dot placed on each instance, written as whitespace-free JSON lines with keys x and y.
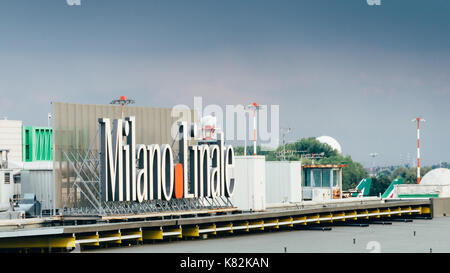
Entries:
{"x":304,"y":148}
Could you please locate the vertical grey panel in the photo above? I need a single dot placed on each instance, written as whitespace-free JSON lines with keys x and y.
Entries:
{"x":75,"y":127}
{"x":39,"y":182}
{"x":158,"y":136}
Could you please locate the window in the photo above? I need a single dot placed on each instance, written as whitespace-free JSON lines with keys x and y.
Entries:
{"x":320,"y":178}
{"x":335,"y":178}
{"x":326,"y":177}
{"x":7,"y":178}
{"x":16,"y":179}
{"x":317,"y":178}
{"x":306,"y":178}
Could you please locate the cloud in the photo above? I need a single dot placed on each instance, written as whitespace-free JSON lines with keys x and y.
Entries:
{"x":316,"y":92}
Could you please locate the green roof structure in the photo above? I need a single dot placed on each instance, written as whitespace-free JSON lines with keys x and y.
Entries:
{"x":37,"y":143}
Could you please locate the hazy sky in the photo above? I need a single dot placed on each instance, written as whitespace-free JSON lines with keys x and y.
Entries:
{"x":356,"y":72}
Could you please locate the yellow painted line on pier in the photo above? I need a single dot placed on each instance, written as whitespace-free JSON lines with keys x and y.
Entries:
{"x":38,"y":242}
{"x":407,"y":210}
{"x":110,"y":237}
{"x":241,"y":226}
{"x":210,"y":229}
{"x":271,"y":223}
{"x":374,"y":213}
{"x":396,"y":211}
{"x":224,"y":227}
{"x":326,"y":218}
{"x":190,"y":231}
{"x":299,"y":220}
{"x":132,"y":235}
{"x":88,"y":239}
{"x":364,"y":214}
{"x":256,"y":225}
{"x":172,"y":232}
{"x":385,"y":212}
{"x":152,"y":234}
{"x":313,"y":219}
{"x":352,"y":215}
{"x":426,"y":210}
{"x":286,"y":222}
{"x":340,"y":216}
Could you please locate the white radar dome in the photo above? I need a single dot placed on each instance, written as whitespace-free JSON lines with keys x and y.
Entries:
{"x":440,"y":176}
{"x":330,"y":141}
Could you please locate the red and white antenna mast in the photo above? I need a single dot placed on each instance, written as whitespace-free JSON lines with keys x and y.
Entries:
{"x":418,"y":120}
{"x":122,"y":101}
{"x":254,"y":107}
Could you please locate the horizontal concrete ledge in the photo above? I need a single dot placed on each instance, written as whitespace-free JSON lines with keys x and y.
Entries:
{"x":22,"y":222}
{"x":32,"y":232}
{"x":117,"y":226}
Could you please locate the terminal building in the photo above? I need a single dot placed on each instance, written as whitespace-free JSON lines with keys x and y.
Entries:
{"x":59,"y":165}
{"x":26,"y":165}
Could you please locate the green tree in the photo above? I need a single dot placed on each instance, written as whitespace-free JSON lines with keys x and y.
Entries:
{"x":312,"y":146}
{"x":400,"y":172}
{"x":379,"y":185}
{"x":351,"y":175}
{"x":409,"y":175}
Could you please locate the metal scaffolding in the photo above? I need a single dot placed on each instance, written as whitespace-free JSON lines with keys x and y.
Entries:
{"x":84,"y":195}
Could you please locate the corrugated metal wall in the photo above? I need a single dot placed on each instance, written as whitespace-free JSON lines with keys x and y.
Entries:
{"x":75,"y":127}
{"x":40,"y":183}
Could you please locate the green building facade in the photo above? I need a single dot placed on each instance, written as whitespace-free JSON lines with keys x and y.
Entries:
{"x":37,"y":143}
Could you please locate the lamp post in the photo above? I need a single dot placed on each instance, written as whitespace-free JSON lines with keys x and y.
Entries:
{"x":373,"y":155}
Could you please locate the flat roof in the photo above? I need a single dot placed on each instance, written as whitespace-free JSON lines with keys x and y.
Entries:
{"x":325,"y":166}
